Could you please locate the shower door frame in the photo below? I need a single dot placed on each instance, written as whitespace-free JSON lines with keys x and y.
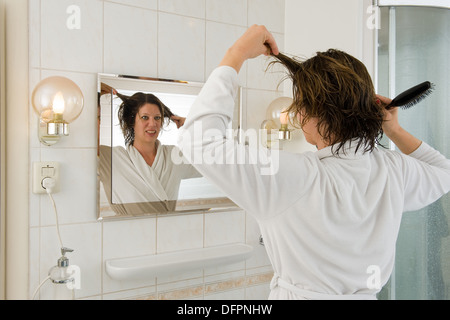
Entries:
{"x":413,"y":3}
{"x":392,"y":4}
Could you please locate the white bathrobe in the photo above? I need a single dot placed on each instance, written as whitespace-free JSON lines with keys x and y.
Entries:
{"x":128,"y":179}
{"x":329,"y":223}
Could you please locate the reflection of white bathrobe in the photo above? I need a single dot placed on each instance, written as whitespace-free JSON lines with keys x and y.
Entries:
{"x":329,"y":224}
{"x":134,"y":181}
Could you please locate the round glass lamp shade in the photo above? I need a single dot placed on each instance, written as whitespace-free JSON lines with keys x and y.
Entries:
{"x":275,"y":108}
{"x":277,"y":119}
{"x":58,"y":100}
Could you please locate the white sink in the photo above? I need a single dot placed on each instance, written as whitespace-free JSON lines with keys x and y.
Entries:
{"x":150,"y":266}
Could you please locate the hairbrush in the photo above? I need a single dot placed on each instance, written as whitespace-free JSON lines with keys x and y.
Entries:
{"x":412,"y":96}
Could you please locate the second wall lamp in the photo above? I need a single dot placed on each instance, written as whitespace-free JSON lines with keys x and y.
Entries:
{"x":277,"y":121}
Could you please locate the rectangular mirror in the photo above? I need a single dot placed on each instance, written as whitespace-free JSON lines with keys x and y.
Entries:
{"x":140,"y":169}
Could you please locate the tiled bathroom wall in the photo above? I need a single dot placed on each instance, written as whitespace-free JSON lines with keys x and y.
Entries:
{"x":180,"y":39}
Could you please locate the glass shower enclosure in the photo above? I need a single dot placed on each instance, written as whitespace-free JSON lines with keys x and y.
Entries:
{"x":414,"y":46}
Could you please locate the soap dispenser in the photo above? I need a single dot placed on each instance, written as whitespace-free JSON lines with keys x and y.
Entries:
{"x":61,"y":274}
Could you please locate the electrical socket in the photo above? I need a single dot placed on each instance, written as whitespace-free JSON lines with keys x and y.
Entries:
{"x":42,"y":170}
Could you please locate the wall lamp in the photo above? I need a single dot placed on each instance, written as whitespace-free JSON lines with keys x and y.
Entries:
{"x":277,"y":121}
{"x":58,"y":101}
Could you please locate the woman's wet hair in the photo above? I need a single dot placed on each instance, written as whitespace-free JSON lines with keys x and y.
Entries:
{"x":335,"y":88}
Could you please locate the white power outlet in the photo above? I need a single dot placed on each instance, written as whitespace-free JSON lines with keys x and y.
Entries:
{"x":42,"y":170}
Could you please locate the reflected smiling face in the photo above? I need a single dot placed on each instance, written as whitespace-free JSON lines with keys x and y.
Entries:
{"x":147,"y":124}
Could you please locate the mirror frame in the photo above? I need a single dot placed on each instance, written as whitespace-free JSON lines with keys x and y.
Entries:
{"x":149,"y":85}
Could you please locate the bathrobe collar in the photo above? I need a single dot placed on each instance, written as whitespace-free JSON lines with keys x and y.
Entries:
{"x":348,"y":151}
{"x":149,"y":174}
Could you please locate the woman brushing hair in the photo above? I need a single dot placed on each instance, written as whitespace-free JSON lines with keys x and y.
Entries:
{"x":330,"y":218}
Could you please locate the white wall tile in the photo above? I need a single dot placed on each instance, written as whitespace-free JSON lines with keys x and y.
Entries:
{"x":219,"y":37}
{"x":76,"y":200}
{"x":230,"y":11}
{"x":181,"y":48}
{"x":129,"y":238}
{"x":130,"y":40}
{"x":224,"y":227}
{"x":222,"y":272}
{"x":191,"y":8}
{"x":146,"y":4}
{"x":269,"y":13}
{"x":34,"y":276}
{"x":71,"y":49}
{"x":177,"y":233}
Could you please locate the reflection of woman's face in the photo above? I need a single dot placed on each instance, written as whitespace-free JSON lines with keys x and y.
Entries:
{"x":147,"y":124}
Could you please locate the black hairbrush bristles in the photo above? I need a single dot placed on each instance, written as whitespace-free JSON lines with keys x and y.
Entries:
{"x":412,"y":96}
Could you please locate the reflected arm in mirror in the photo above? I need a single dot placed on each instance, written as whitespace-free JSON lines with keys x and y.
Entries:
{"x":106,"y":89}
{"x":178,"y":120}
